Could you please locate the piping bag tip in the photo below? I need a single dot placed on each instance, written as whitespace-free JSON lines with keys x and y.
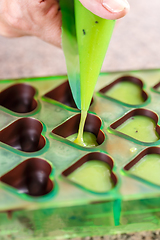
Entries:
{"x":85,"y":40}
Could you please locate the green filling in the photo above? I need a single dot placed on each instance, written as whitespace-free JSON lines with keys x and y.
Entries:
{"x":94,"y":175}
{"x":141,"y":128}
{"x":148,"y":168}
{"x":89,"y":139}
{"x":126,"y":92}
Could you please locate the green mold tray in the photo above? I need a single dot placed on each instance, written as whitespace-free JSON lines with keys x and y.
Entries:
{"x":37,"y":200}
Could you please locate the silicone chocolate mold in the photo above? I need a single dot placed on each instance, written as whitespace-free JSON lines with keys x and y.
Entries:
{"x":19,"y":98}
{"x":62,"y":94}
{"x":146,"y":165}
{"x":126,"y":89}
{"x":70,"y":127}
{"x":140,"y":124}
{"x":24,"y":135}
{"x":93,"y":172}
{"x":77,"y":198}
{"x":30,"y":177}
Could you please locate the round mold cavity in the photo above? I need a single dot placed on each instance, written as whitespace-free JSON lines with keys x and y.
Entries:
{"x":19,"y":98}
{"x":31,"y":177}
{"x":128,"y":98}
{"x":145,"y":166}
{"x":93,"y":158}
{"x":24,"y":134}
{"x":92,"y":125}
{"x":63,"y":95}
{"x":153,"y":134}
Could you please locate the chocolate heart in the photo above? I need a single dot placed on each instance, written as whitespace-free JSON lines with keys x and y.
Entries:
{"x":156,"y":88}
{"x":127,"y":90}
{"x":146,"y":165}
{"x":30,"y":177}
{"x":19,"y":98}
{"x":140,"y":124}
{"x":71,"y":126}
{"x":24,"y":135}
{"x":63,"y":95}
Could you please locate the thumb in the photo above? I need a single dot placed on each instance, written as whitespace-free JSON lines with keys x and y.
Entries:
{"x":109,"y":9}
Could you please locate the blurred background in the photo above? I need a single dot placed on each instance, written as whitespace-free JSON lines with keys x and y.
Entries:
{"x":135,"y":44}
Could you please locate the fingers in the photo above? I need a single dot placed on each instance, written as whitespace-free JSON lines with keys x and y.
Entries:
{"x":109,"y":9}
{"x":45,"y":5}
{"x":48,"y":18}
{"x":51,"y":30}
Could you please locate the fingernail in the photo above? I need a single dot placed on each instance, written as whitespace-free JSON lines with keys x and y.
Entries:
{"x":115,"y":5}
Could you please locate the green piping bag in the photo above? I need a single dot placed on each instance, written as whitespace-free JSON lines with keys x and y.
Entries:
{"x":85,"y":40}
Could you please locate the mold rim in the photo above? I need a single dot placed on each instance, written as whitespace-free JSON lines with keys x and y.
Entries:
{"x":31,"y":79}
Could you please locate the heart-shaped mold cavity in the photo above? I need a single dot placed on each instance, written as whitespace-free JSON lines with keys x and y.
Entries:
{"x":30,"y":177}
{"x":140,"y":124}
{"x":62,"y":94}
{"x":19,"y":98}
{"x":146,"y":165}
{"x":69,"y":129}
{"x":93,"y":172}
{"x":156,"y":87}
{"x":24,"y":135}
{"x":126,"y":89}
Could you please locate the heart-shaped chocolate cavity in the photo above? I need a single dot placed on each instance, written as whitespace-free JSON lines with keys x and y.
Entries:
{"x":156,"y":87}
{"x":93,"y":172}
{"x":127,"y":89}
{"x":140,"y":124}
{"x":30,"y":177}
{"x":19,"y":98}
{"x":146,"y":165}
{"x":24,"y":135}
{"x":92,"y":125}
{"x":63,"y":95}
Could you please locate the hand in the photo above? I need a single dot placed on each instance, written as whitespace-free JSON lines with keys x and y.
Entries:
{"x":42,"y":18}
{"x":109,"y":9}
